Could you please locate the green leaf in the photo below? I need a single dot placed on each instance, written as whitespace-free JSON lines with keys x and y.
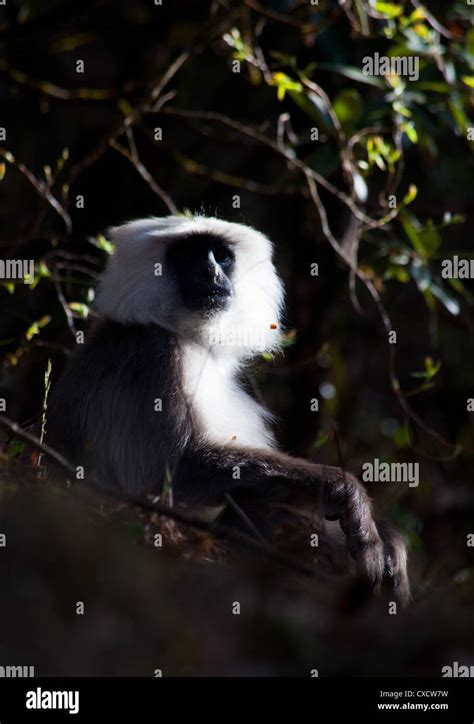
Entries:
{"x":80,"y":308}
{"x":430,"y":371}
{"x":15,"y":449}
{"x":322,"y":439}
{"x":390,"y":10}
{"x":242,"y":51}
{"x":42,"y":270}
{"x":411,"y":226}
{"x":102,"y":243}
{"x":422,"y":30}
{"x":459,"y":287}
{"x":460,"y":118}
{"x":430,"y":238}
{"x":314,"y":107}
{"x":360,"y":187}
{"x":449,"y":219}
{"x":398,"y":273}
{"x":348,"y":106}
{"x":35,"y":327}
{"x":401,"y":437}
{"x":434,"y":86}
{"x":398,"y":107}
{"x":417,"y":14}
{"x":288,"y":338}
{"x":408,"y":127}
{"x":411,"y":194}
{"x":470,"y":44}
{"x":284,"y":83}
{"x":353,"y":74}
{"x":425,"y":283}
{"x":446,"y":299}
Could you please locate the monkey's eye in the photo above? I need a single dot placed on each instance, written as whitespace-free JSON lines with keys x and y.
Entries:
{"x":224,"y":257}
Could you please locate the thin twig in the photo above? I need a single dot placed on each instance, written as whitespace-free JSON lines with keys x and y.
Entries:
{"x":280,"y":17}
{"x":132,"y":118}
{"x":65,"y":306}
{"x":435,"y":24}
{"x":291,"y":160}
{"x":244,"y":517}
{"x":192,"y":166}
{"x":146,"y":176}
{"x":32,"y":440}
{"x":40,"y":187}
{"x":54,"y":91}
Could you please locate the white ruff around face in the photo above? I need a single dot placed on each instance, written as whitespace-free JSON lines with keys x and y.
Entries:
{"x":227,"y":414}
{"x":131,"y":292}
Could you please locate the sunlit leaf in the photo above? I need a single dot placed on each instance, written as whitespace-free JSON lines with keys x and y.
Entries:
{"x":417,"y":14}
{"x":42,"y":270}
{"x":71,"y":41}
{"x":397,"y":272}
{"x":348,"y":106}
{"x":459,"y":115}
{"x":425,"y":282}
{"x":400,"y":108}
{"x":360,"y":187}
{"x":412,"y":227}
{"x":35,"y":328}
{"x":449,"y":218}
{"x":411,"y":194}
{"x":401,"y":437}
{"x":429,"y":237}
{"x":102,"y":243}
{"x":431,"y":369}
{"x":422,"y":30}
{"x":352,"y":73}
{"x":446,"y":299}
{"x":410,"y":130}
{"x":80,"y":308}
{"x":322,"y":439}
{"x":284,"y":83}
{"x":289,"y":338}
{"x":314,"y":107}
{"x":390,"y":10}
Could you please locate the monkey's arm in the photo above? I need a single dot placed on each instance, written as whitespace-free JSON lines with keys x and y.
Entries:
{"x":208,"y":474}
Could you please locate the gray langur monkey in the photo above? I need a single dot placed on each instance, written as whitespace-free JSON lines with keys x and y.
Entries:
{"x":184,"y":304}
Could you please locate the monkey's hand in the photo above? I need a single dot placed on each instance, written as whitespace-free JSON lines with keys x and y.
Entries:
{"x":379,"y":552}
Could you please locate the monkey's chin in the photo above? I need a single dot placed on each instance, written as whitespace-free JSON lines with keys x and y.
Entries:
{"x":212,"y":304}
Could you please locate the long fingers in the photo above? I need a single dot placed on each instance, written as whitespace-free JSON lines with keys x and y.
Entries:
{"x":379,"y":552}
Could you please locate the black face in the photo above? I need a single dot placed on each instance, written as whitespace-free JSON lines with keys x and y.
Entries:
{"x":202,"y":266}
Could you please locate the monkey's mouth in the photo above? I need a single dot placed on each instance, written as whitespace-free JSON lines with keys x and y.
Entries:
{"x":214,"y":300}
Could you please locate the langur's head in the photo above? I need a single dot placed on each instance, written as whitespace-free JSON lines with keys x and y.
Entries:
{"x":208,"y":280}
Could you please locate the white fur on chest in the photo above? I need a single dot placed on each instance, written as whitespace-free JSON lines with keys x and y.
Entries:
{"x":226,"y":414}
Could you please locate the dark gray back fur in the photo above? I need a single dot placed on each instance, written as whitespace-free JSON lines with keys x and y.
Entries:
{"x":102,"y":412}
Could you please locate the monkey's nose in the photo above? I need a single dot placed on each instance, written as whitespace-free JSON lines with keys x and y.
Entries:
{"x":213,"y":268}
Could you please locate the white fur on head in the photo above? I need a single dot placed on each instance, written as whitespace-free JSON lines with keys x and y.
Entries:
{"x":131,"y":292}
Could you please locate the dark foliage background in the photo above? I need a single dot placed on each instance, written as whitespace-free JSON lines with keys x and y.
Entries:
{"x":92,"y":134}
